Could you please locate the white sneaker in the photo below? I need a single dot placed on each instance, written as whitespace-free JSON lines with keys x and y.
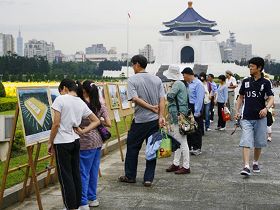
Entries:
{"x":84,"y":207}
{"x":222,"y":129}
{"x":94,"y":203}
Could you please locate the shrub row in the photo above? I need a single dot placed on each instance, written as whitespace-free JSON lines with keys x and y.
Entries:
{"x":2,"y":90}
{"x":7,"y":104}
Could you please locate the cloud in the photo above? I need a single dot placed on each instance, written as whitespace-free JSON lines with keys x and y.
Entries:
{"x":7,"y":2}
{"x":13,"y":2}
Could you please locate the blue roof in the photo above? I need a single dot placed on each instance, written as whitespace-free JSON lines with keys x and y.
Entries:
{"x":190,"y":16}
{"x":176,"y":30}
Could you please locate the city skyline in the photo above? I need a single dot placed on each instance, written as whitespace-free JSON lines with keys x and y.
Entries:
{"x":105,"y":22}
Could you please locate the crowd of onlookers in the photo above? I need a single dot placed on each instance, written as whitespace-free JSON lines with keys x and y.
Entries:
{"x":76,"y":139}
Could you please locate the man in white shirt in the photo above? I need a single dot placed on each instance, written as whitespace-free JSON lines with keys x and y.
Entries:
{"x":231,"y":84}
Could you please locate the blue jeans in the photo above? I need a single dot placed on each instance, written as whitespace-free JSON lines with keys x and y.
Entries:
{"x":89,"y":166}
{"x":136,"y":135}
{"x":207,"y":115}
{"x":253,"y":133}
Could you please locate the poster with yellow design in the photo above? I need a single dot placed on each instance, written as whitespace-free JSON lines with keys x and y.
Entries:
{"x":35,"y":112}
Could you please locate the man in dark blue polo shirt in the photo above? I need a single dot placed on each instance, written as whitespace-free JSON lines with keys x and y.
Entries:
{"x":253,"y":93}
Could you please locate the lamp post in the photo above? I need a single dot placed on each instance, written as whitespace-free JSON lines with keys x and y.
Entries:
{"x":1,"y":75}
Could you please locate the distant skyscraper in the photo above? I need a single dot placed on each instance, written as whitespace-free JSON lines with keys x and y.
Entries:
{"x":6,"y":44}
{"x":96,"y":49}
{"x":1,"y":44}
{"x":148,"y":53}
{"x":232,"y":50}
{"x":19,"y":44}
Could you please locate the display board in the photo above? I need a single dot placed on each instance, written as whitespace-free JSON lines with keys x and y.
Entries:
{"x":54,"y":92}
{"x":34,"y":104}
{"x":113,"y":96}
{"x":125,"y":104}
{"x":101,"y":92}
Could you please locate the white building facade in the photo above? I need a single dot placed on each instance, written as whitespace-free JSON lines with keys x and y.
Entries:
{"x":189,"y":39}
{"x":40,"y":48}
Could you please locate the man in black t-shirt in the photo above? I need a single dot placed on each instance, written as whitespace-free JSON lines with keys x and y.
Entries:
{"x":252,"y":95}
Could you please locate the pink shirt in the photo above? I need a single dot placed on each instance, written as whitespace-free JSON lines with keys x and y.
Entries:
{"x":92,"y":139}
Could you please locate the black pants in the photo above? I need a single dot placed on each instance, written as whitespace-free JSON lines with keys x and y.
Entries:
{"x":221,"y":122}
{"x":195,"y":139}
{"x":212,"y":109}
{"x":136,"y":135}
{"x":68,"y":167}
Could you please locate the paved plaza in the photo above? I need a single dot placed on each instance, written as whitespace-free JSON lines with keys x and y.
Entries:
{"x":214,"y":183}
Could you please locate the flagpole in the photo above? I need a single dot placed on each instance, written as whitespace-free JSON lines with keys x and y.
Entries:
{"x":127,"y":45}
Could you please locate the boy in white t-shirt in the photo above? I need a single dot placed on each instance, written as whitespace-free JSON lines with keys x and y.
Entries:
{"x":69,"y":110}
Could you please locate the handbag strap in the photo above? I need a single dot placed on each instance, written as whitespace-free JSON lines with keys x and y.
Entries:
{"x":177,"y":105}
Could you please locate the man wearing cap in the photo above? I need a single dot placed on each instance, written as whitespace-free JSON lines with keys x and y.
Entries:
{"x":196,"y":97}
{"x":231,"y":84}
{"x":252,"y":95}
{"x":177,"y":98}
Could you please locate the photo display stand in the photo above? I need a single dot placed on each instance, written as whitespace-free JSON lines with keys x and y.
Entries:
{"x":34,"y":108}
{"x":115,"y":98}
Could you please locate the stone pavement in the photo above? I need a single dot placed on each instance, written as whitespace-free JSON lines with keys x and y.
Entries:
{"x":214,"y":182}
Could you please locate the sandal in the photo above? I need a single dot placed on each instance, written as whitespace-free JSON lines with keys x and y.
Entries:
{"x":126,"y":179}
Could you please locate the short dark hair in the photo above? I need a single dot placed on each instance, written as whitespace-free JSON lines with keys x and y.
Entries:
{"x":222,"y":77}
{"x":69,"y":83}
{"x":187,"y":70}
{"x":211,"y":75}
{"x":140,"y":59}
{"x":203,"y":74}
{"x":258,"y":61}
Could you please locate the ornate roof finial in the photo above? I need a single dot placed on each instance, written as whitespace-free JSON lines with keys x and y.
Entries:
{"x":190,"y":4}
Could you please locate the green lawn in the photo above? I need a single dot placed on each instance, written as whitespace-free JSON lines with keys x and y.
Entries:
{"x":7,"y":113}
{"x":18,"y":176}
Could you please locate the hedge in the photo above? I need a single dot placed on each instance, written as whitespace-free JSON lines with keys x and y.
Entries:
{"x":2,"y":90}
{"x":7,"y":104}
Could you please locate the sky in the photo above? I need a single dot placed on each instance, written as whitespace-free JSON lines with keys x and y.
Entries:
{"x":74,"y":25}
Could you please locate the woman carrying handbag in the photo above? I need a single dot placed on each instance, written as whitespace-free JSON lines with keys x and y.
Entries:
{"x":221,"y":100}
{"x":91,"y":144}
{"x":177,"y":99}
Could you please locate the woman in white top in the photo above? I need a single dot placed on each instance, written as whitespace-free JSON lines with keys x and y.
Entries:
{"x":69,"y":110}
{"x":207,"y":100}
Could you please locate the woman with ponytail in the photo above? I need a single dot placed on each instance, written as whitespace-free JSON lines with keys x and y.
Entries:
{"x":69,"y":110}
{"x":91,"y":144}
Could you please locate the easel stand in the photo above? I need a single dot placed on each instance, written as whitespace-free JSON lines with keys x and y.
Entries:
{"x":32,"y":164}
{"x":119,"y":139}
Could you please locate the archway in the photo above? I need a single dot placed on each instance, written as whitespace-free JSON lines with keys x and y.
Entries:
{"x":187,"y":55}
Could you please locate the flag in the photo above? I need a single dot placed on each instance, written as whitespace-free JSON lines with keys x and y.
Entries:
{"x":128,"y":15}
